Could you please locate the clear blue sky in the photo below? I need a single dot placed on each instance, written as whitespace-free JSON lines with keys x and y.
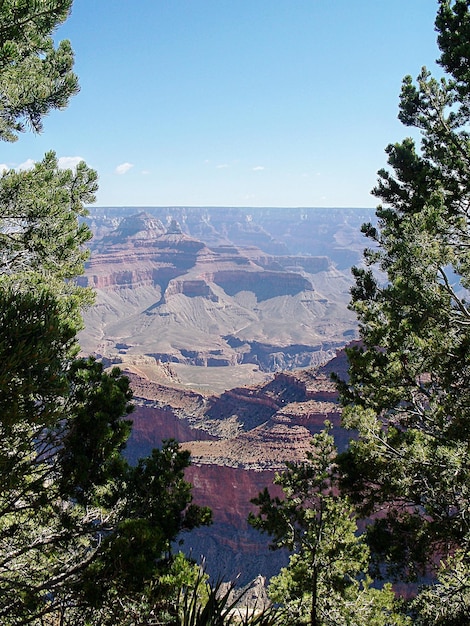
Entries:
{"x":236,"y":102}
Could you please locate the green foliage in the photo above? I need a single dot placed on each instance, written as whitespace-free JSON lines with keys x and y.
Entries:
{"x":203,"y":605}
{"x":46,"y":540}
{"x":80,"y":530}
{"x":408,"y":389}
{"x":84,"y":537}
{"x":159,"y":493}
{"x":154,"y":508}
{"x":40,"y":229}
{"x":94,"y":433}
{"x":35,"y":77}
{"x":35,"y":332}
{"x":325,"y":581}
{"x":446,"y":603}
{"x":181,"y":596}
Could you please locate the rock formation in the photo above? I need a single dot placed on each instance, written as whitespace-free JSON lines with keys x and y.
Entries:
{"x":238,"y":440}
{"x":164,"y":293}
{"x":211,"y":312}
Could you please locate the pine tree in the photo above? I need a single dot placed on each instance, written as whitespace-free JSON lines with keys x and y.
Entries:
{"x":84,"y":537}
{"x":326,"y":581}
{"x":35,"y":75}
{"x":408,"y":389}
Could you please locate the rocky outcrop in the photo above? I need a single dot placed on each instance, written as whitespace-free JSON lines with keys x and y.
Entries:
{"x":190,"y":288}
{"x":238,"y":440}
{"x":140,"y":226}
{"x":163,"y":292}
{"x":264,"y":284}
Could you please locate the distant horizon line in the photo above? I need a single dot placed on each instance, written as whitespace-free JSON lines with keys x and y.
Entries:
{"x":223,"y":206}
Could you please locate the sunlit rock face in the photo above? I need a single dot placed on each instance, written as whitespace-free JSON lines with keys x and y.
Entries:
{"x":217,"y":288}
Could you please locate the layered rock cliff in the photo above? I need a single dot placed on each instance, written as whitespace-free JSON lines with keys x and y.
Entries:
{"x":238,"y":440}
{"x":164,"y":293}
{"x":334,"y":233}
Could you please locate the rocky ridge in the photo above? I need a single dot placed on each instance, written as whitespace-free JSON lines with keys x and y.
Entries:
{"x":165,"y":294}
{"x":238,"y":440}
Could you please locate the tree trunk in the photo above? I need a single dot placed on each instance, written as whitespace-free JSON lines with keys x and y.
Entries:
{"x":313,"y":608}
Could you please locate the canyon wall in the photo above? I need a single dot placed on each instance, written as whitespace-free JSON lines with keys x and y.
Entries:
{"x":238,"y":440}
{"x":235,"y":297}
{"x":212,"y":312}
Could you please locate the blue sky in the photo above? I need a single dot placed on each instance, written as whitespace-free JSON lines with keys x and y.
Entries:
{"x":236,"y":102}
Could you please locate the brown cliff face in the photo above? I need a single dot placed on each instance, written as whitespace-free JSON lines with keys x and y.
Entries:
{"x":148,"y":257}
{"x":264,"y":284}
{"x":231,"y":548}
{"x":238,"y":440}
{"x":144,"y":248}
{"x":228,"y":491}
{"x":151,"y":425}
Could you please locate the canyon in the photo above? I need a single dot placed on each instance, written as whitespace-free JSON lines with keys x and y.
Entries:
{"x":228,"y":323}
{"x":216,"y":288}
{"x":238,"y":440}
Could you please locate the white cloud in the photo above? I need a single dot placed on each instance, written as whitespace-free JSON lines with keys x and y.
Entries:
{"x":123,"y":168}
{"x":27,"y":165}
{"x":64,"y":163}
{"x":259,"y":168}
{"x":145,"y":172}
{"x":69,"y":162}
{"x":222,"y":166}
